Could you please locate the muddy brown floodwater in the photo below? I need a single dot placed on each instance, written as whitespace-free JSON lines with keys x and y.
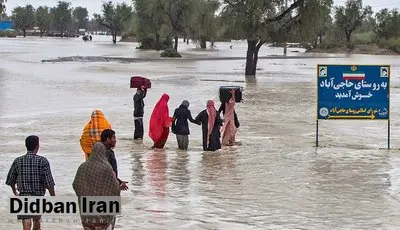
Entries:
{"x":276,"y":179}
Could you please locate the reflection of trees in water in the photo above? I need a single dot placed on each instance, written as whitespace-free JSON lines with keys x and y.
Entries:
{"x":179,"y":173}
{"x":157,"y":167}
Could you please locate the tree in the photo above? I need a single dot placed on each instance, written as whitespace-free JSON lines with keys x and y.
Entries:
{"x":43,"y":19}
{"x":203,"y":22}
{"x":2,"y":8}
{"x":24,"y":18}
{"x":151,"y":23}
{"x":387,"y":24}
{"x":80,"y":17}
{"x":260,"y":21}
{"x":324,"y":19}
{"x":177,"y":12}
{"x":351,"y":16}
{"x":368,"y":25}
{"x":94,"y":26}
{"x":113,"y":17}
{"x":62,"y":16}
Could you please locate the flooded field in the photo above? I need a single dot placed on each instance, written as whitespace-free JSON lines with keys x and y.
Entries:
{"x":277,"y":178}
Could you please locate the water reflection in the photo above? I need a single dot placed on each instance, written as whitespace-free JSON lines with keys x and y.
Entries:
{"x":179,"y":172}
{"x":157,"y":172}
{"x":217,"y":165}
{"x":138,"y":172}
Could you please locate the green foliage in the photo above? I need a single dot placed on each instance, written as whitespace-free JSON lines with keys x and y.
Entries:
{"x":9,"y":34}
{"x":170,"y":53}
{"x":392,"y":44}
{"x":93,"y":25}
{"x":24,"y":17}
{"x":43,"y":18}
{"x":203,"y":24}
{"x":151,"y":43}
{"x":367,"y":25}
{"x":2,"y":7}
{"x":351,"y":16}
{"x":62,"y":18}
{"x":178,"y":12}
{"x":152,"y":24}
{"x":387,"y":24}
{"x":80,"y":17}
{"x":363,"y":38}
{"x":146,"y":24}
{"x":316,"y":21}
{"x":114,"y":17}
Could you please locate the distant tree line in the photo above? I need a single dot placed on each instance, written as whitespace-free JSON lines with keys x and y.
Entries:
{"x":158,"y":24}
{"x":62,"y":19}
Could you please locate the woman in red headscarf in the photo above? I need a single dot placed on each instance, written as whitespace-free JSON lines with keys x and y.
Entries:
{"x":160,"y":121}
{"x":211,"y":123}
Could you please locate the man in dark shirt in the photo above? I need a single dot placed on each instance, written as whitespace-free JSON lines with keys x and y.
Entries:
{"x":32,"y":175}
{"x":109,"y":141}
{"x":138,"y":112}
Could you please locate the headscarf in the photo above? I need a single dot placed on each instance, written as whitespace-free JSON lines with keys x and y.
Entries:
{"x":185,"y":103}
{"x":92,"y":131}
{"x":228,"y":129}
{"x":212,"y":114}
{"x":95,"y":177}
{"x":159,"y":118}
{"x":229,"y":115}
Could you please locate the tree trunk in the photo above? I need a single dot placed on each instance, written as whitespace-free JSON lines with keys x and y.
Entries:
{"x":114,"y":37}
{"x":184,"y":39}
{"x":158,"y":45}
{"x":41,"y":33}
{"x":253,"y":47}
{"x":187,"y":41}
{"x":24,"y":32}
{"x":285,"y":48}
{"x":176,"y":43}
{"x":348,"y":36}
{"x":320,"y":40}
{"x":203,"y":43}
{"x":212,"y":44}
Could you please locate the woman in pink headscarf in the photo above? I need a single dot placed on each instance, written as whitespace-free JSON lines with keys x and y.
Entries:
{"x":160,"y":121}
{"x":211,"y":123}
{"x":231,"y":122}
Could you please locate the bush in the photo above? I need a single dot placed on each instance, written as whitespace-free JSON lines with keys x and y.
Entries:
{"x":393,"y":44}
{"x":330,"y":45}
{"x":363,"y":38}
{"x":8,"y":33}
{"x":167,"y":43}
{"x":170,"y":53}
{"x":149,"y":43}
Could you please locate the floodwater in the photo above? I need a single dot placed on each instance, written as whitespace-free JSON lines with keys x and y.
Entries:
{"x":277,"y":178}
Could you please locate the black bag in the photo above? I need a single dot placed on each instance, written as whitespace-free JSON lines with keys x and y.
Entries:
{"x":225,"y":94}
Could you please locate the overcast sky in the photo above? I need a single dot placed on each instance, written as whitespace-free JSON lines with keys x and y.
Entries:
{"x":94,"y":6}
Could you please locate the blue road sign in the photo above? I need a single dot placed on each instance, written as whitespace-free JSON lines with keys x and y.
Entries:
{"x":353,"y":92}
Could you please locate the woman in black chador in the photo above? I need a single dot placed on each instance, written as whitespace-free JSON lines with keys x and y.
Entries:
{"x":211,"y":124}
